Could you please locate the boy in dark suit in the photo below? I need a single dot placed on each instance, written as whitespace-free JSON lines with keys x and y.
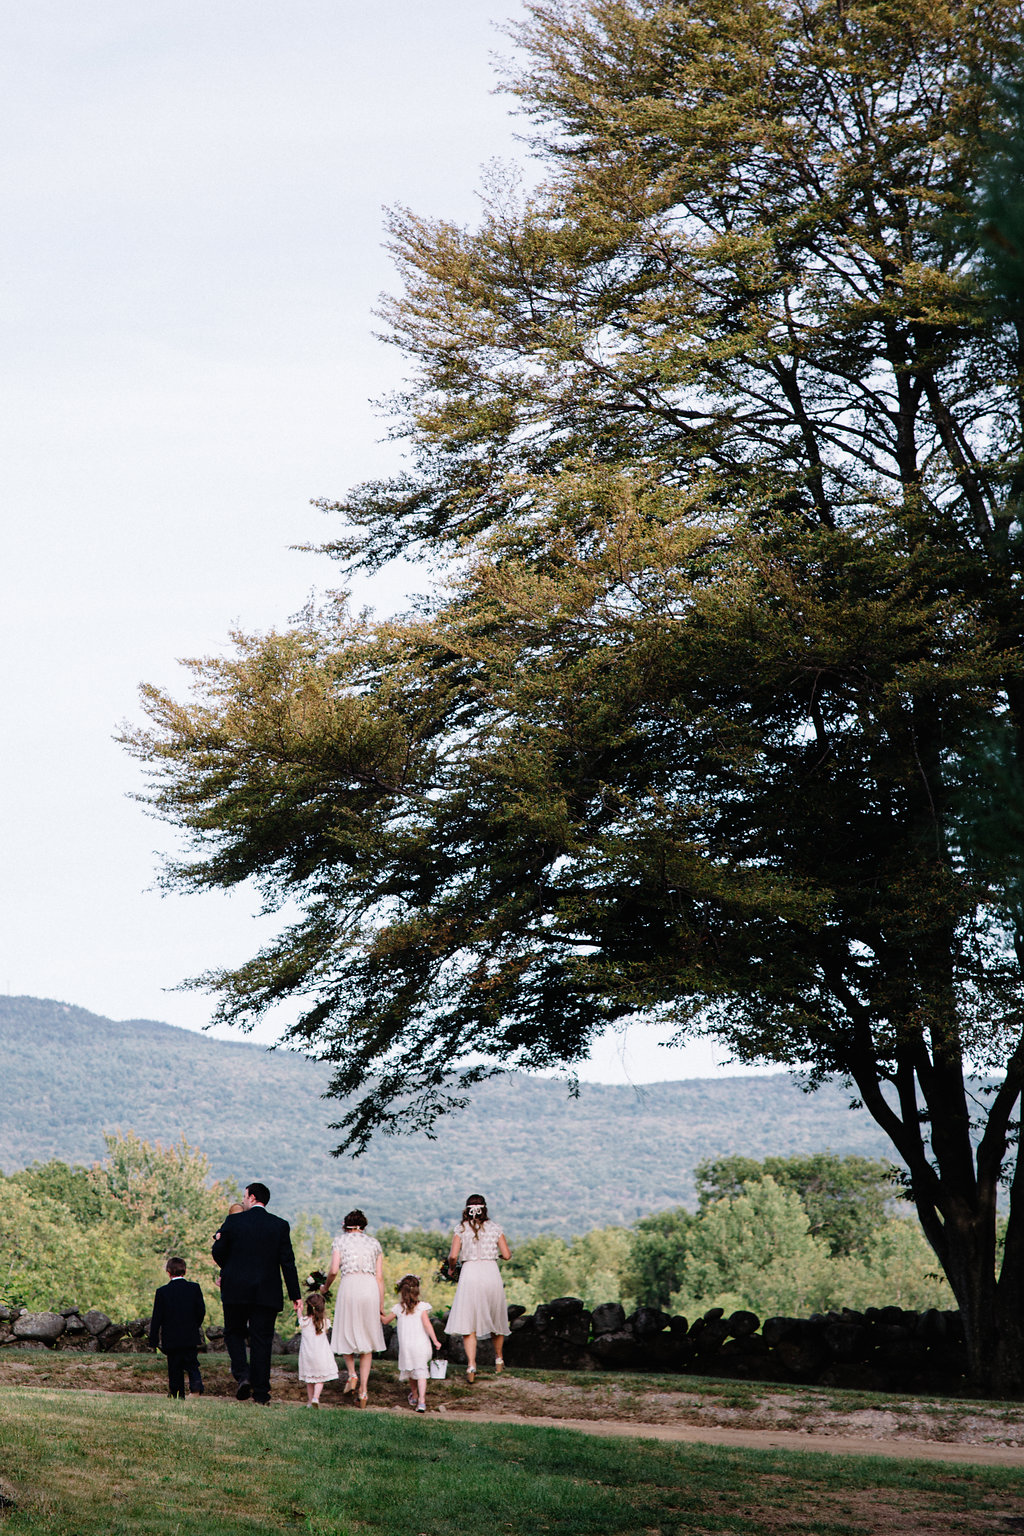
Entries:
{"x":178,"y":1310}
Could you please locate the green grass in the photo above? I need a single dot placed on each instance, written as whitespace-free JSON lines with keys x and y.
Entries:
{"x":97,"y":1465}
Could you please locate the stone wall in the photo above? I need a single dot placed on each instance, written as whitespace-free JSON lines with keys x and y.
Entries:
{"x":93,"y":1331}
{"x":880,"y":1349}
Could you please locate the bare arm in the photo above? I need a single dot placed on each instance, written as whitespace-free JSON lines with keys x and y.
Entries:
{"x":453,"y":1257}
{"x":429,"y":1328}
{"x":378,"y":1270}
{"x":503,"y":1247}
{"x":335,"y":1266}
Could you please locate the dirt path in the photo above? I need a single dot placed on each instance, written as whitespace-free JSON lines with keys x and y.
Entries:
{"x":767,"y":1439}
{"x":685,"y":1410}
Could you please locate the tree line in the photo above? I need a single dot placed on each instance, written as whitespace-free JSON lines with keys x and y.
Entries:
{"x":790,"y":1235}
{"x":786,"y":1235}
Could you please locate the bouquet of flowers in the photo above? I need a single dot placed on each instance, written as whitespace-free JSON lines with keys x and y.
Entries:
{"x":316,"y":1281}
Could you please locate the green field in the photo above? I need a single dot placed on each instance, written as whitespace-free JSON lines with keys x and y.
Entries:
{"x":79,"y":1464}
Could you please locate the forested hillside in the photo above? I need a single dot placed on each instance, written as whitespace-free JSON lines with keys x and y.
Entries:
{"x":547,"y":1162}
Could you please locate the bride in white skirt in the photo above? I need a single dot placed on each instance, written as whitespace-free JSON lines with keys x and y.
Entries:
{"x":479,"y":1309}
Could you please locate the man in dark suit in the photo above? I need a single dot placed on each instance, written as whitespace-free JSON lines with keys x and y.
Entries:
{"x":178,"y":1310}
{"x":254,"y":1251}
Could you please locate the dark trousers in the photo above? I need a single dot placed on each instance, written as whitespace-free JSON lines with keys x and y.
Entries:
{"x":241,"y":1318}
{"x":178,"y":1362}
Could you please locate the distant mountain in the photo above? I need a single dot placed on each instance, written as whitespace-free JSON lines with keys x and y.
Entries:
{"x":545,"y":1161}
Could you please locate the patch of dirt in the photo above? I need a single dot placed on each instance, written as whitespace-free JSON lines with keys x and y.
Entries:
{"x":860,"y":1510}
{"x":807,"y":1413}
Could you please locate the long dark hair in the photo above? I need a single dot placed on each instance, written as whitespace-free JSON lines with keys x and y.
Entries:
{"x":475,"y":1221}
{"x":315,"y":1309}
{"x":409,"y":1292}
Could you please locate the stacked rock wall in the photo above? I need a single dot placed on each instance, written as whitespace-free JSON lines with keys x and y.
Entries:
{"x":66,"y":1328}
{"x":880,"y":1349}
{"x":91,"y":1331}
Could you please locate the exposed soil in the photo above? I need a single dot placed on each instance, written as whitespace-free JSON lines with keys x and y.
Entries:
{"x":870,"y":1512}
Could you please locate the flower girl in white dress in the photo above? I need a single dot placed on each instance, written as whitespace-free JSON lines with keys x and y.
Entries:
{"x":316,"y":1358}
{"x":415,"y":1335}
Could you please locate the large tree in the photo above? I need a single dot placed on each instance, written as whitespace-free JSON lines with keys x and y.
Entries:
{"x":718,"y":710}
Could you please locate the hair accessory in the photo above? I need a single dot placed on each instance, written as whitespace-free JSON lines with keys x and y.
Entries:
{"x":475,"y":1210}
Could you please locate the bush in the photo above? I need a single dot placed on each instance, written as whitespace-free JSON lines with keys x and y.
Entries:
{"x":100,"y":1236}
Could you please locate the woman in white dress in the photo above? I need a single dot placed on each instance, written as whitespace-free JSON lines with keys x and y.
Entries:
{"x":359,"y":1259}
{"x":479,"y":1310}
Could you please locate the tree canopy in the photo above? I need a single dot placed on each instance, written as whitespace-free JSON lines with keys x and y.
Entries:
{"x":845,"y":1198}
{"x":100,"y":1235}
{"x":715,"y":441}
{"x":659,"y":1253}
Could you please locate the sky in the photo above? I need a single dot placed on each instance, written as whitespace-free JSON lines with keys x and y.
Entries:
{"x":193,"y":248}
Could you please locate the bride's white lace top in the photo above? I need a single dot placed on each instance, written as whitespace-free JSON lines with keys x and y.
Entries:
{"x":482,"y":1246}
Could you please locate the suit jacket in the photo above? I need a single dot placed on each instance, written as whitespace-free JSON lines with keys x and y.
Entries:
{"x":178,"y":1309}
{"x":254,"y":1251}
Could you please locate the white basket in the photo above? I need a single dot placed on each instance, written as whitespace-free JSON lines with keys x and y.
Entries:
{"x":438,"y":1370}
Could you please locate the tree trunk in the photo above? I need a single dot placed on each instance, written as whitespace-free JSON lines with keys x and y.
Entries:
{"x":968,"y":1262}
{"x":1008,"y":1349}
{"x":954,"y":1185}
{"x":991,"y":1308}
{"x":1006,"y":1357}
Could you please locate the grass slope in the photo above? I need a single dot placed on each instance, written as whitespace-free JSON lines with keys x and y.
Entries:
{"x":636,"y":1401}
{"x":546,"y":1162}
{"x":80,"y":1465}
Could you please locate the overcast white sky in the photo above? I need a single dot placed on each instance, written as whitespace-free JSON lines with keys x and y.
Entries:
{"x":192,"y":230}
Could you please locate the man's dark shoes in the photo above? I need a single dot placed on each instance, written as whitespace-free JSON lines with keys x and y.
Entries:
{"x":243,"y":1391}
